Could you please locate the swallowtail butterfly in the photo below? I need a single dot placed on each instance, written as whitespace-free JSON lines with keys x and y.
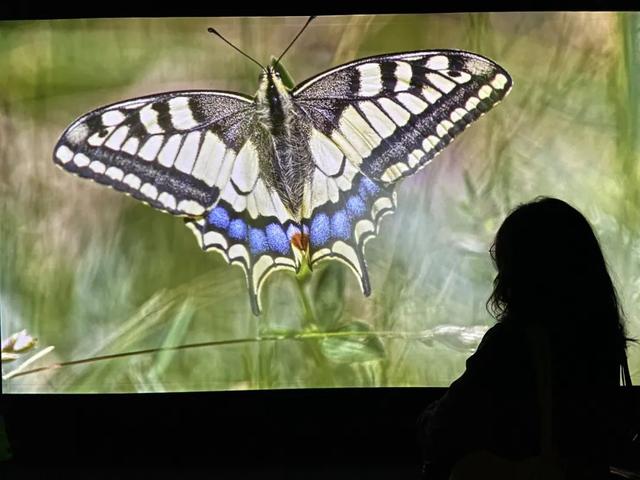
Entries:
{"x":289,"y":176}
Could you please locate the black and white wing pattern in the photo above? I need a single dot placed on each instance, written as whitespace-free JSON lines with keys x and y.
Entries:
{"x":173,"y":151}
{"x":376,"y":121}
{"x":196,"y":155}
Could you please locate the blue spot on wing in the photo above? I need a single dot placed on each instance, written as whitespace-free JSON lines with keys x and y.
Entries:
{"x":219,"y":217}
{"x":257,"y":241}
{"x":335,"y":221}
{"x":272,"y":238}
{"x":277,"y":239}
{"x":340,"y":225}
{"x":237,"y":229}
{"x":320,"y":229}
{"x":367,"y":188}
{"x":356,"y":207}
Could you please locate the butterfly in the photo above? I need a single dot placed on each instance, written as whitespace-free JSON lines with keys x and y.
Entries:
{"x":290,"y":176}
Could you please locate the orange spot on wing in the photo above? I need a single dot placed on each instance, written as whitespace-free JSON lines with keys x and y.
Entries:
{"x":300,"y":241}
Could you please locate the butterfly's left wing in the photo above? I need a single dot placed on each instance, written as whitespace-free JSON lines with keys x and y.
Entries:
{"x":173,"y":151}
{"x":376,"y":121}
{"x":195,"y":154}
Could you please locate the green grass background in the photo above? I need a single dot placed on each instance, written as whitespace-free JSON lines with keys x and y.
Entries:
{"x":93,"y":272}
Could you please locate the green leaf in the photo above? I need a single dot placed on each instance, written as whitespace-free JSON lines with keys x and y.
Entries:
{"x":355,"y":348}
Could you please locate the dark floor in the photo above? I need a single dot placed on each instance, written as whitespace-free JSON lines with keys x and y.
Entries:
{"x":296,"y":434}
{"x":253,"y":473}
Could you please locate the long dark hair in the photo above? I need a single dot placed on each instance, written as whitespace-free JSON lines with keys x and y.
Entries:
{"x":551,"y":270}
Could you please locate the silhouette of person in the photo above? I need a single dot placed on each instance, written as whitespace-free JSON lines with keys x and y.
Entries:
{"x":551,"y":273}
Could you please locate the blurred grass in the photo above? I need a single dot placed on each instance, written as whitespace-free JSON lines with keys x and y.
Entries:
{"x":93,"y":272}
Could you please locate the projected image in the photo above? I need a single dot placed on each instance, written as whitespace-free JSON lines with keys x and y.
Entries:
{"x":101,"y":293}
{"x":291,"y":176}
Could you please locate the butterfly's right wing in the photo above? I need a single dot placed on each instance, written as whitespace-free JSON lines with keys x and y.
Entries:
{"x":375,"y":121}
{"x":193,"y":154}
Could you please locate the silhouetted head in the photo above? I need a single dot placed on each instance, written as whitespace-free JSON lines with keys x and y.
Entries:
{"x":551,"y":270}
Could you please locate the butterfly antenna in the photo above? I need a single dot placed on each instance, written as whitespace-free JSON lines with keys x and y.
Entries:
{"x":295,"y":38}
{"x":215,"y":32}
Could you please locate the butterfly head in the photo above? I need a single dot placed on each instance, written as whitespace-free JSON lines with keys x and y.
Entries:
{"x":273,"y":100}
{"x":271,"y":84}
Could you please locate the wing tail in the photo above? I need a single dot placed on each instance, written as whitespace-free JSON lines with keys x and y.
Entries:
{"x":259,"y":246}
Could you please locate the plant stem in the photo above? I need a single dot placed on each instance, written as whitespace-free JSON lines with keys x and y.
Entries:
{"x":268,"y":338}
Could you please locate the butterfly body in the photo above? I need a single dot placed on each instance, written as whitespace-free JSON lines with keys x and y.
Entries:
{"x":287,"y":164}
{"x":290,"y":176}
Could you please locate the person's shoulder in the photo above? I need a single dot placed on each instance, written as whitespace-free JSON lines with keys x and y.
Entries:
{"x":502,"y":353}
{"x":502,"y":332}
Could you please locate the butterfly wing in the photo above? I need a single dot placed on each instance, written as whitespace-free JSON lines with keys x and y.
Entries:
{"x":173,"y":151}
{"x":376,"y":121}
{"x":192,"y":154}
